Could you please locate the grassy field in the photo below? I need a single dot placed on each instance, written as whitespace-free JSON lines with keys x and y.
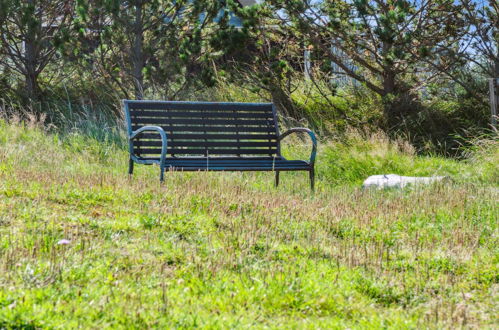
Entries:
{"x":229,"y":250}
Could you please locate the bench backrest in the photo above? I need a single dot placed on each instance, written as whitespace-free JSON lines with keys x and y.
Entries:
{"x":204,"y":128}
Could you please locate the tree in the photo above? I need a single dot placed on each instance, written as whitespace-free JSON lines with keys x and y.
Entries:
{"x":475,"y":56}
{"x":30,"y":33}
{"x":259,"y":55}
{"x":379,"y":43}
{"x":484,"y":35}
{"x":146,"y":43}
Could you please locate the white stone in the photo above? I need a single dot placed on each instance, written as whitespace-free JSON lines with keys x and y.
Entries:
{"x":397,"y":181}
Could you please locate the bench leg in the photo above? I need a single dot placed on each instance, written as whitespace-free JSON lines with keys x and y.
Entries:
{"x":277,"y":179}
{"x":162,"y":174}
{"x":130,"y":167}
{"x":312,"y":178}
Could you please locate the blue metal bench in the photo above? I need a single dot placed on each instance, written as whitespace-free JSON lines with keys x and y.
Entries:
{"x":207,"y":136}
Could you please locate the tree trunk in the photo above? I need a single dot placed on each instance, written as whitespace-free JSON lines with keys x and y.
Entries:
{"x":391,"y":106}
{"x":496,"y":62}
{"x":391,"y":100}
{"x":398,"y":103}
{"x":31,"y":74}
{"x":137,"y":53}
{"x":283,"y":102}
{"x":388,"y":82}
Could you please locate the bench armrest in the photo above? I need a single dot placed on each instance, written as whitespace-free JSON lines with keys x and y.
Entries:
{"x":164,"y":141}
{"x":312,"y":137}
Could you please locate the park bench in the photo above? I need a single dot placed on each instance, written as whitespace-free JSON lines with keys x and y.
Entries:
{"x":208,"y":136}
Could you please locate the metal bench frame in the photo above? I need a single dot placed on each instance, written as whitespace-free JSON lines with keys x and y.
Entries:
{"x":254,"y":163}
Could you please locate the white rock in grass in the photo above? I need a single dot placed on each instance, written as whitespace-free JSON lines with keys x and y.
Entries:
{"x":397,"y":181}
{"x":63,"y":242}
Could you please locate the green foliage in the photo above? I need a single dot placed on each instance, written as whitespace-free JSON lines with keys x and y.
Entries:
{"x":355,"y":158}
{"x":388,"y":46}
{"x":335,"y":113}
{"x":90,"y":62}
{"x":31,"y":34}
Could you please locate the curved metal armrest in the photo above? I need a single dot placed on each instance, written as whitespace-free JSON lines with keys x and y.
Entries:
{"x":164,"y":141}
{"x":312,"y":137}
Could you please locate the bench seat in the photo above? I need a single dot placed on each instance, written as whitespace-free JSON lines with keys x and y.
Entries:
{"x":234,"y":164}
{"x":210,"y":136}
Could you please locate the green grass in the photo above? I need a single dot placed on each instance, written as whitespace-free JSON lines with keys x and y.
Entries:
{"x":229,"y":250}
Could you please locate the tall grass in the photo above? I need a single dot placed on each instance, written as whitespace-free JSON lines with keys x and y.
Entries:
{"x":230,"y":250}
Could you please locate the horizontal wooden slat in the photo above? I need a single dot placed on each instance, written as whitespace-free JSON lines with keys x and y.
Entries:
{"x":231,"y":159}
{"x":189,"y":121}
{"x":238,"y":169}
{"x":197,"y":114}
{"x":241,"y":129}
{"x":156,"y":151}
{"x":158,"y":143}
{"x":261,"y":165}
{"x":202,"y":106}
{"x":236,"y":164}
{"x":202,"y":136}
